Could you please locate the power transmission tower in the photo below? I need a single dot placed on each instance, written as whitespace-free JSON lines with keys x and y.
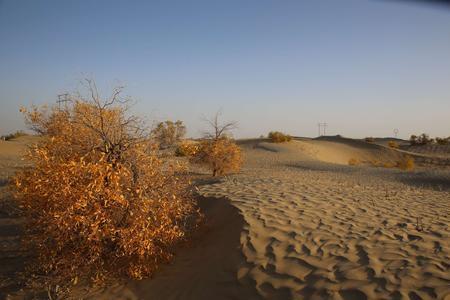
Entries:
{"x":62,"y":98}
{"x":324,"y":126}
{"x":395,"y":132}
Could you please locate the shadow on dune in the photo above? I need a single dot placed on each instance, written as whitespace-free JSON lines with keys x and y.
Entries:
{"x":206,"y":270}
{"x":323,"y":167}
{"x":428,"y":179}
{"x":435,"y":181}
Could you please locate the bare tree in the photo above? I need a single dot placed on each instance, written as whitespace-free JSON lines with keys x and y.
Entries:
{"x":218,"y":129}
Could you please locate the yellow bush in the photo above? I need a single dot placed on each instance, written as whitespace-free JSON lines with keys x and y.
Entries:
{"x":353,"y":161}
{"x":187,"y":149}
{"x":221,"y":156}
{"x":393,"y":144}
{"x":99,"y":202}
{"x":279,"y":137}
{"x":407,"y":163}
{"x":388,"y":165}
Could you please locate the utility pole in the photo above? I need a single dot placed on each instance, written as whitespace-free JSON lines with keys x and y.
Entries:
{"x":62,"y":98}
{"x":320,"y":125}
{"x":395,"y":132}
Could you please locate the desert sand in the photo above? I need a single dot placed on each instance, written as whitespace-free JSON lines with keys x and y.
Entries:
{"x":299,"y":223}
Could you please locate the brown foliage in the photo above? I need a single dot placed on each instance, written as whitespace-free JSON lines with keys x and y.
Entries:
{"x":369,"y":139}
{"x":218,"y":151}
{"x":279,"y":137}
{"x":186,"y":148}
{"x":99,"y":201}
{"x":221,"y":156}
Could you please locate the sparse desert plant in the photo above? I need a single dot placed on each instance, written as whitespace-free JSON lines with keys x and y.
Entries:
{"x":389,"y":165}
{"x":393,"y":144}
{"x":354,"y":161}
{"x":413,"y":140}
{"x":169,"y":133}
{"x":279,"y":137}
{"x":406,"y":163}
{"x":221,"y":156}
{"x":98,"y":200}
{"x":442,"y":141}
{"x":218,"y":151}
{"x":12,"y":136}
{"x":369,"y":139}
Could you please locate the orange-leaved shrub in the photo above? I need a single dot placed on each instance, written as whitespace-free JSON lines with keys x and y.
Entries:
{"x":99,"y":202}
{"x":279,"y":137}
{"x":218,"y":151}
{"x":220,"y":155}
{"x":187,"y":148}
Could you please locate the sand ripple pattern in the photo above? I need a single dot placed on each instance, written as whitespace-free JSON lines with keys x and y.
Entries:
{"x":311,"y":235}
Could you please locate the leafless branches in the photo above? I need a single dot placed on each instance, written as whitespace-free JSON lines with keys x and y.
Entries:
{"x":218,"y":129}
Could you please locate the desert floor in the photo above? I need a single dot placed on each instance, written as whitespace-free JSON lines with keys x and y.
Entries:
{"x":299,"y":223}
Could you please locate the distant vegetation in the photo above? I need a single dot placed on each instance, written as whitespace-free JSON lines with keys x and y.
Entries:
{"x":442,"y":141}
{"x":424,"y":139}
{"x":12,"y":136}
{"x":369,"y":139}
{"x":169,"y":133}
{"x":279,"y":137}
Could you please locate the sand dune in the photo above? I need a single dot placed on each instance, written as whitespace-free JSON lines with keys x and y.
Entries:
{"x":319,"y":235}
{"x":299,"y":223}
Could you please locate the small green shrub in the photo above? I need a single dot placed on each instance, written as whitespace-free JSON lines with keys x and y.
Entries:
{"x":279,"y":137}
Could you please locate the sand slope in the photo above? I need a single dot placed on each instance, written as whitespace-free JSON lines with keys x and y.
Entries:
{"x":299,"y":223}
{"x":337,"y":234}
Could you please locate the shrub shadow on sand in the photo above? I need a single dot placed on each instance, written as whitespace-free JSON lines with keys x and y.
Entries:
{"x":206,"y":269}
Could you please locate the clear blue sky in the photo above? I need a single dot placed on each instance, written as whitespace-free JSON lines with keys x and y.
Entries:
{"x":365,"y":67}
